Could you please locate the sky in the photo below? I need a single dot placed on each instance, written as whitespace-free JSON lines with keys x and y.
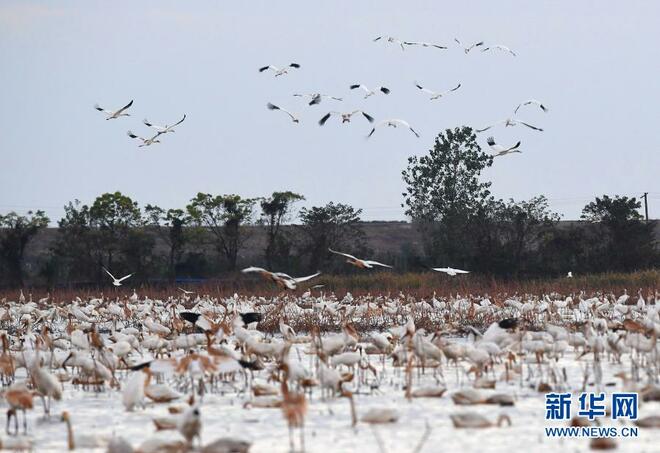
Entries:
{"x":595,"y":64}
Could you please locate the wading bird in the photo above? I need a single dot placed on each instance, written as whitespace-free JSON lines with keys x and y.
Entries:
{"x":279,"y":278}
{"x":279,"y":71}
{"x":499,"y":47}
{"x":510,"y":122}
{"x":145,"y":141}
{"x":394,"y":122}
{"x":531,"y":102}
{"x":469,"y":48}
{"x":316,"y":98}
{"x":115,"y":114}
{"x":345,"y":117}
{"x":450,"y":271}
{"x":436,"y":94}
{"x":369,"y":92}
{"x":357,"y":262}
{"x":164,"y":129}
{"x":501,"y":150}
{"x":274,"y":107}
{"x":116,"y":281}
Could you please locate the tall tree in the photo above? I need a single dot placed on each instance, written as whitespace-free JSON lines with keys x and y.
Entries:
{"x":628,"y":242}
{"x":170,"y":226}
{"x":444,"y":193}
{"x":223,"y":216}
{"x":16,"y":231}
{"x":275,"y":211}
{"x":114,"y":214}
{"x":77,"y":245}
{"x":330,"y":226}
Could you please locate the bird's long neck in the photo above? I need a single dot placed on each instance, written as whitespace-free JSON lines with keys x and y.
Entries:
{"x":70,"y":439}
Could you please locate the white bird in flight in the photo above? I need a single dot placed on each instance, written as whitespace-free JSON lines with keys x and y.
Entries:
{"x":274,"y":107}
{"x":316,"y":98}
{"x":569,"y":275}
{"x":279,"y":71}
{"x":187,"y":293}
{"x":116,"y":281}
{"x":390,"y":40}
{"x":345,"y":117}
{"x":281,"y":279}
{"x":357,"y":262}
{"x":531,"y":102}
{"x":164,"y":129}
{"x":369,"y":92}
{"x":145,"y":141}
{"x":501,"y":150}
{"x":450,"y":271}
{"x":423,"y":44}
{"x":394,"y":122}
{"x":468,"y":49}
{"x":436,"y":94}
{"x":499,"y":47}
{"x":114,"y":114}
{"x":510,"y":122}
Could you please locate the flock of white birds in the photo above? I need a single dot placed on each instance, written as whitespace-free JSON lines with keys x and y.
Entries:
{"x":189,"y":372}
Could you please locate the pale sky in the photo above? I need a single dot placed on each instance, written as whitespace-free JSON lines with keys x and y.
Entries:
{"x":595,"y":64}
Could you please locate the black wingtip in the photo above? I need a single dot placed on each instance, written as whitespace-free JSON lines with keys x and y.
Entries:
{"x":324,"y":119}
{"x":508,"y":323}
{"x":385,"y":90}
{"x":141,"y":366}
{"x":250,"y":317}
{"x":355,"y":86}
{"x":189,"y":316}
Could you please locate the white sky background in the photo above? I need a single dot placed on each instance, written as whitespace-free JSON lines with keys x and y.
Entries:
{"x":594,"y":63}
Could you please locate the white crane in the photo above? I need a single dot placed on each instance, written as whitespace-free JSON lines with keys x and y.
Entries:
{"x":279,"y":71}
{"x":499,"y":47}
{"x":316,"y":98}
{"x":423,"y":44}
{"x":116,"y":281}
{"x":357,"y":262}
{"x":116,"y":113}
{"x":390,"y":40}
{"x":281,"y":279}
{"x":369,"y":92}
{"x":501,"y":150}
{"x":394,"y":122}
{"x":510,"y":122}
{"x":450,"y":271}
{"x":164,"y":129}
{"x":345,"y":117}
{"x":436,"y":94}
{"x":531,"y":102}
{"x":145,"y":141}
{"x":469,"y":48}
{"x":274,"y":107}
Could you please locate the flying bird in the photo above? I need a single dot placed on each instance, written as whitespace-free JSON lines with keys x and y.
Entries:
{"x":435,"y":94}
{"x":116,"y":281}
{"x":369,"y":92}
{"x":469,"y":48}
{"x":510,"y":122}
{"x":390,"y":40}
{"x":164,"y":129}
{"x":186,"y":292}
{"x":114,"y":114}
{"x":501,"y":150}
{"x":357,"y":262}
{"x":316,"y":98}
{"x":531,"y":102}
{"x":499,"y":47}
{"x":279,"y":71}
{"x":274,"y":107}
{"x":345,"y":117}
{"x":145,"y":141}
{"x":450,"y":271}
{"x":393,"y":123}
{"x":279,"y":278}
{"x":423,"y":44}
{"x":569,"y":275}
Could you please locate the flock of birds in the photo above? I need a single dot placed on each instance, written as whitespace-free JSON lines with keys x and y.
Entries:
{"x":283,"y":353}
{"x":317,"y":98}
{"x":144,"y":141}
{"x":347,"y":116}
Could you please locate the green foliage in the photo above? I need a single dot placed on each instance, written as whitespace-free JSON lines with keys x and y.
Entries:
{"x":223,"y":216}
{"x":172,"y":228}
{"x":331,"y":226}
{"x":275,"y":211}
{"x":16,"y":231}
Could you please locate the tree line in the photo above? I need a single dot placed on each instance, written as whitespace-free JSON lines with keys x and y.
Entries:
{"x":459,"y":222}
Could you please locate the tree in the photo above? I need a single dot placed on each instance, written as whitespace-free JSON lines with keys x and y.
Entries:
{"x":223,"y":216}
{"x":16,"y":231}
{"x":444,"y":193}
{"x":331,"y":226}
{"x":114,"y":214}
{"x":627,"y":241}
{"x":170,"y":226}
{"x":275,"y":211}
{"x":77,"y":246}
